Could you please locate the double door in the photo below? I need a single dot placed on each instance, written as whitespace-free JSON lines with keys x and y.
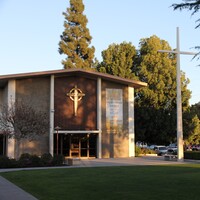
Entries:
{"x":78,"y":145}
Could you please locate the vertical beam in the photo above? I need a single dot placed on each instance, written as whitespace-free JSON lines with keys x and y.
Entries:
{"x":51,"y":128}
{"x":178,"y":99}
{"x":99,"y":121}
{"x":131,"y":128}
{"x":179,"y":102}
{"x":11,"y":99}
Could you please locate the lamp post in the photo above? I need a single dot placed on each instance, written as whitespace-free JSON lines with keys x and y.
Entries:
{"x":178,"y":98}
{"x":57,"y":128}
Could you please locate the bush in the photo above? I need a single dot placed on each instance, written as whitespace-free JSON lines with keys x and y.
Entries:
{"x":4,"y":162}
{"x":24,"y":160}
{"x":27,"y":160}
{"x":193,"y":155}
{"x":58,"y":160}
{"x":139,"y":150}
{"x":35,"y":161}
{"x":47,"y":159}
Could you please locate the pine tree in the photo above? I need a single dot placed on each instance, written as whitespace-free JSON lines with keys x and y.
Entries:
{"x":75,"y":39}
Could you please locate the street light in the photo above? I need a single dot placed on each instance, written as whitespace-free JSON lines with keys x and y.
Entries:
{"x":57,"y":128}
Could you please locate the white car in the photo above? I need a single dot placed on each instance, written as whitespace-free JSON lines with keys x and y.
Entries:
{"x":160,"y":150}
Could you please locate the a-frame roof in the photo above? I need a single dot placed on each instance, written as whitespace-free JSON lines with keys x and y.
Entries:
{"x":68,"y":72}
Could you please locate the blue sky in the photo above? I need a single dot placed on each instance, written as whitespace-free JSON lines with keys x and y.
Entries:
{"x":31,"y":29}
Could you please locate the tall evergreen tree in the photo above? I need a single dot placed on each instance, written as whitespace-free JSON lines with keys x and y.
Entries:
{"x":118,"y":60}
{"x":76,"y":39}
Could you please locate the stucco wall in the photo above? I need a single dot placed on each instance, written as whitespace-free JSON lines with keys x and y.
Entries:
{"x":115,"y":143}
{"x":36,"y":92}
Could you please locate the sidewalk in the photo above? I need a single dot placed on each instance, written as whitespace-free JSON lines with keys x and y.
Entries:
{"x":9,"y":191}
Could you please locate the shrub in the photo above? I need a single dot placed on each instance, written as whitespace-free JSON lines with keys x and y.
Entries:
{"x":27,"y":160}
{"x":58,"y":160}
{"x":35,"y":161}
{"x":47,"y":159}
{"x":139,"y":150}
{"x":24,"y":160}
{"x":4,"y":162}
{"x":13,"y":163}
{"x":193,"y":155}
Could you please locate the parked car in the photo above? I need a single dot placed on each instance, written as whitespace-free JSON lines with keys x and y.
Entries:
{"x":196,"y":148}
{"x":160,"y":150}
{"x":172,"y":151}
{"x":152,"y":146}
{"x":172,"y":146}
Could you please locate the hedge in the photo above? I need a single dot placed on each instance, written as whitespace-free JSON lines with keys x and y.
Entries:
{"x":27,"y":160}
{"x":193,"y":155}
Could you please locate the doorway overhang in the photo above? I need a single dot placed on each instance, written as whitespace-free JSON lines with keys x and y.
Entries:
{"x":77,"y":131}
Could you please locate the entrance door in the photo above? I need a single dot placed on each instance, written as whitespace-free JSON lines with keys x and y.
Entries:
{"x":78,"y":145}
{"x":75,"y":146}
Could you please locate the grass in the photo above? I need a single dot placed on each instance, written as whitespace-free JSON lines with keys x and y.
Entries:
{"x":111,"y":183}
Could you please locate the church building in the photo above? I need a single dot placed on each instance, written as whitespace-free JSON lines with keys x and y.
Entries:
{"x":91,"y":114}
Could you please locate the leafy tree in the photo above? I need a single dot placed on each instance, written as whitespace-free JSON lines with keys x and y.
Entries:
{"x":191,"y":127}
{"x":193,"y":136}
{"x":195,"y":109}
{"x":118,"y":60}
{"x":192,"y":122}
{"x":75,"y":39}
{"x":156,"y":104}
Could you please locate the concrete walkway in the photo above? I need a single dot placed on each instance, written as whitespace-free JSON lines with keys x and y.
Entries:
{"x":9,"y":191}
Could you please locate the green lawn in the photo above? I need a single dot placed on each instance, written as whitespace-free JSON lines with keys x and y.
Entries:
{"x":112,"y":183}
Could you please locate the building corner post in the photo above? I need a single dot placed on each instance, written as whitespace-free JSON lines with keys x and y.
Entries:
{"x":99,"y":120}
{"x":11,"y":98}
{"x":51,"y":128}
{"x":131,"y":126}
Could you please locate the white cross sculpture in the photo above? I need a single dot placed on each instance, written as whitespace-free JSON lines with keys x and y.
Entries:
{"x":180,"y":152}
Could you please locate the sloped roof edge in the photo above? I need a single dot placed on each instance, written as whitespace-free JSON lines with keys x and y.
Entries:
{"x":133,"y":83}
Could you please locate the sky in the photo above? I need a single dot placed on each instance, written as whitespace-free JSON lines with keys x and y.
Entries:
{"x":30,"y":32}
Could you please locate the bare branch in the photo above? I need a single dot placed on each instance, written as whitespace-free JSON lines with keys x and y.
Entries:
{"x":20,"y":120}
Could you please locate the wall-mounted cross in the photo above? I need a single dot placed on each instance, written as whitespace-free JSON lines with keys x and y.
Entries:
{"x":75,"y":95}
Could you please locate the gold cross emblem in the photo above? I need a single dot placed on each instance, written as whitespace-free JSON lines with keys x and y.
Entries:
{"x":75,"y":95}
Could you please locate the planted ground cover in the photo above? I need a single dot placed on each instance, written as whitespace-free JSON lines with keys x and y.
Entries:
{"x":111,"y":183}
